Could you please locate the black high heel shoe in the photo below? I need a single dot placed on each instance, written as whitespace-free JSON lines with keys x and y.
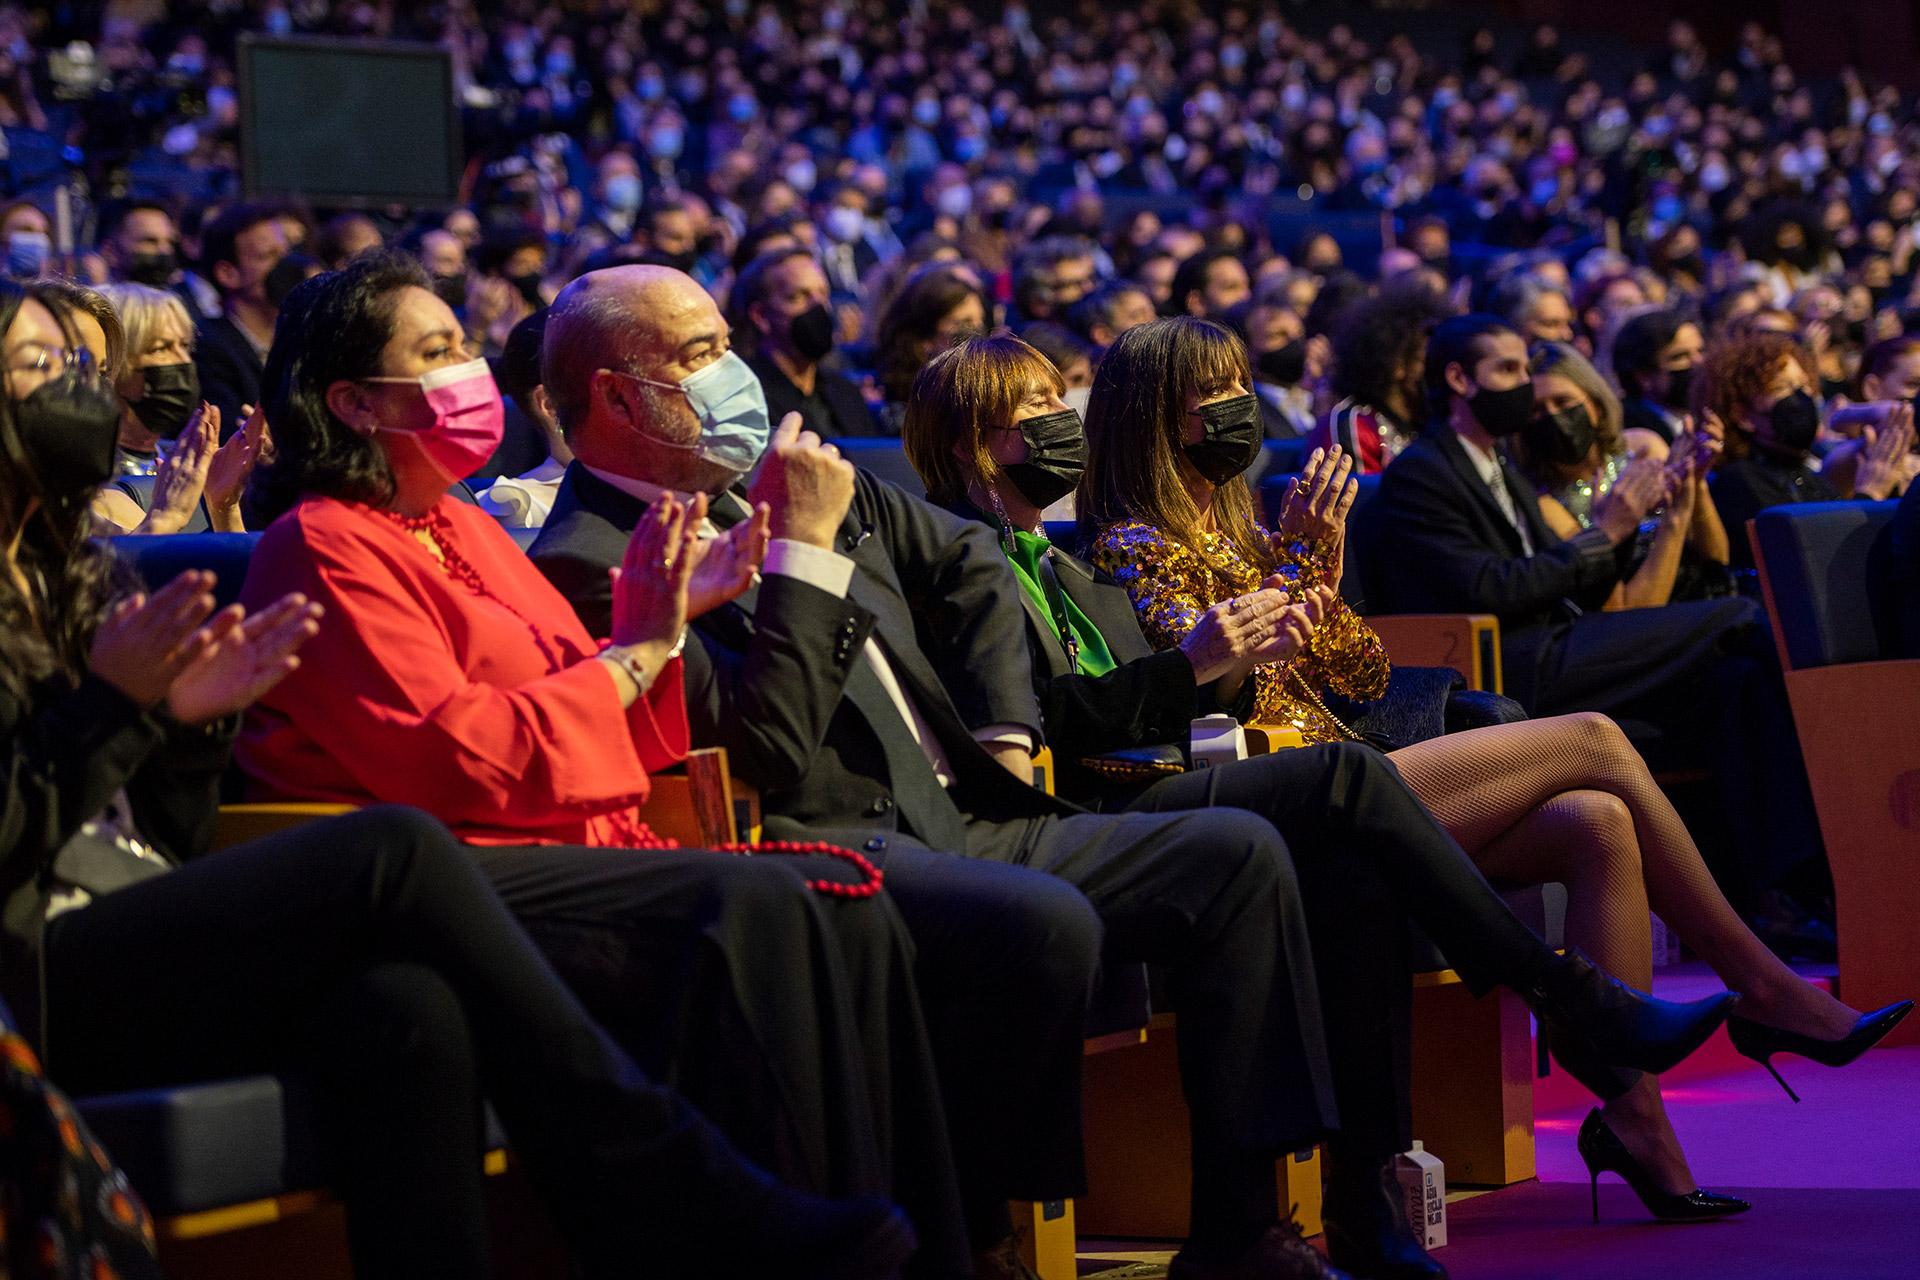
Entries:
{"x":1603,"y":1152}
{"x":1760,"y":1043}
{"x":1612,"y":1024}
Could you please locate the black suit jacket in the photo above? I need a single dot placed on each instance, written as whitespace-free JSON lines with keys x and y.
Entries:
{"x":1149,"y":699}
{"x":229,"y":371}
{"x":1434,"y":541}
{"x":836,"y":407}
{"x":778,"y":677}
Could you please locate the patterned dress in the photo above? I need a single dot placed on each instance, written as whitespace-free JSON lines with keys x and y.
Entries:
{"x":1172,"y":585}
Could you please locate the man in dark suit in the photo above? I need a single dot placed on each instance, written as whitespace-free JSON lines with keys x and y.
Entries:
{"x":875,"y":683}
{"x":239,"y":249}
{"x":1454,"y":529}
{"x":840,"y":212}
{"x":782,"y":317}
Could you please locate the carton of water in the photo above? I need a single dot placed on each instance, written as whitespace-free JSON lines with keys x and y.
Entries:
{"x":1217,"y":739}
{"x":1423,"y":1184}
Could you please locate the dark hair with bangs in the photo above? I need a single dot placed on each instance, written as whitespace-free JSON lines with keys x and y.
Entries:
{"x":964,"y":393}
{"x":1135,"y":460}
{"x":70,"y":578}
{"x":332,"y":328}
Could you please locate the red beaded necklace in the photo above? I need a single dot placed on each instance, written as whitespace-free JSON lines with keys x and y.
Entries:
{"x":637,"y":834}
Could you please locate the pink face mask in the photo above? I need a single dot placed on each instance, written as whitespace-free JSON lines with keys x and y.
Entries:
{"x":468,"y":417}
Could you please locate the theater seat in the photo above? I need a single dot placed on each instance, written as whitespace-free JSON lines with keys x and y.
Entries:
{"x":1854,"y":712}
{"x":223,"y":1147}
{"x":160,"y":558}
{"x":885,"y":457}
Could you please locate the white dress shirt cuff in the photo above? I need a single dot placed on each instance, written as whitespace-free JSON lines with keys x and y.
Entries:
{"x":1005,"y":735}
{"x":816,"y":566}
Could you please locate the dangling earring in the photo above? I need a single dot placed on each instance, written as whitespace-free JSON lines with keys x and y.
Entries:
{"x":1000,"y":517}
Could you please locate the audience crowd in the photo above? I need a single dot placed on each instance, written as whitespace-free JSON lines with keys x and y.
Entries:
{"x":1524,"y":327}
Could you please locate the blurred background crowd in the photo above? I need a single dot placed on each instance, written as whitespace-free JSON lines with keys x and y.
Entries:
{"x":1066,"y":170}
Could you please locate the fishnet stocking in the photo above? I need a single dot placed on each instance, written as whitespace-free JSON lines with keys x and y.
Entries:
{"x":1568,"y":798}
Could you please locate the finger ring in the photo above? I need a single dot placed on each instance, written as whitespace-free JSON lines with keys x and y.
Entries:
{"x":666,"y":564}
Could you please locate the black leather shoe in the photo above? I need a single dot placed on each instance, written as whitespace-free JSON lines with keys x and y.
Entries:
{"x":1761,"y":1043}
{"x":1603,"y":1152}
{"x":1280,"y":1254}
{"x":1611,"y":1023}
{"x":1366,"y":1215}
{"x":1003,"y":1262}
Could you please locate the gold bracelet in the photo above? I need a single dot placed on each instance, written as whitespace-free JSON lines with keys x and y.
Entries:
{"x":622,"y":656}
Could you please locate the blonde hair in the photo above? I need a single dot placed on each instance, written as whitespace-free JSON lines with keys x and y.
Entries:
{"x":1565,"y":361}
{"x":964,"y":393}
{"x":141,"y":311}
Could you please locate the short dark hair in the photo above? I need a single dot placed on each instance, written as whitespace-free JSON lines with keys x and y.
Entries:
{"x":333,"y":327}
{"x":1456,"y":340}
{"x":217,"y":241}
{"x":751,"y":287}
{"x":496,"y":249}
{"x":1100,"y":306}
{"x":1637,"y":347}
{"x":1059,"y":345}
{"x":1191,"y":276}
{"x":115,"y":215}
{"x":1880,"y":357}
{"x":517,"y":369}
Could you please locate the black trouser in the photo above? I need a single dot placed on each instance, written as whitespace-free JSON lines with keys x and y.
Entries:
{"x":787,"y":1017}
{"x":1212,"y":898}
{"x":370,"y":953}
{"x":1369,"y":858}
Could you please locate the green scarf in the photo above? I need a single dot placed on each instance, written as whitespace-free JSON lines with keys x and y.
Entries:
{"x":1095,"y":658}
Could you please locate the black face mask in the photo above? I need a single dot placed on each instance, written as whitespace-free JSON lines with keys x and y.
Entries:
{"x":68,"y":428}
{"x":1056,"y":458}
{"x":286,"y":275}
{"x":1691,"y":264}
{"x":1501,"y":413}
{"x":154,"y":270}
{"x":452,"y":290}
{"x":1564,"y":438}
{"x":1232,"y":441}
{"x":528,"y":286}
{"x":1284,"y":365}
{"x":1679,"y":389}
{"x":1795,"y":421}
{"x":811,"y":333}
{"x":173,"y":393}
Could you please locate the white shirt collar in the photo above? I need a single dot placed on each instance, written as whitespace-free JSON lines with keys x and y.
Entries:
{"x":1485,"y":461}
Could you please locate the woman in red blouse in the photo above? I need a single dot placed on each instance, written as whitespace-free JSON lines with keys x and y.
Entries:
{"x":455,"y":679}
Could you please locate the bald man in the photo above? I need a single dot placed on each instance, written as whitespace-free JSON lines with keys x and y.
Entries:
{"x":876,"y":687}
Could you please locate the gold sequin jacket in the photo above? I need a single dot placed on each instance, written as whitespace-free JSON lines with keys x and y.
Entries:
{"x":1172,"y":585}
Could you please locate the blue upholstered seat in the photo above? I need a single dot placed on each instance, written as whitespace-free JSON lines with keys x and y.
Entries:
{"x":159,"y":558}
{"x":1816,"y":554}
{"x":194,"y":1147}
{"x":885,"y":457}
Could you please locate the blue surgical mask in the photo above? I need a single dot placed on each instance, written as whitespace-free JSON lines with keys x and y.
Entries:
{"x":623,"y":192}
{"x":732,"y":408}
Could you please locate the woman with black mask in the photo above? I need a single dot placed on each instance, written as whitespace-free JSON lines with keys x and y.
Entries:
{"x":1762,"y":385}
{"x":366,"y":953}
{"x":167,"y":430}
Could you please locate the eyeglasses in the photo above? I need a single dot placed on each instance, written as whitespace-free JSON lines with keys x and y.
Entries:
{"x":51,"y":362}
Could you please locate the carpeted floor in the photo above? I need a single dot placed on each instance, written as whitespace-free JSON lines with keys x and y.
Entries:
{"x":1834,"y":1181}
{"x":1544,"y":1231}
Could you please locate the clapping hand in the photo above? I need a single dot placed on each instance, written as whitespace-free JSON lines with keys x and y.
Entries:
{"x":144,"y":642}
{"x":1640,"y":488}
{"x":650,"y":586}
{"x":725,"y":566}
{"x":232,"y":463}
{"x":241,"y":658}
{"x":1883,"y":453}
{"x":1316,"y":507}
{"x":181,"y":476}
